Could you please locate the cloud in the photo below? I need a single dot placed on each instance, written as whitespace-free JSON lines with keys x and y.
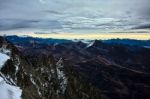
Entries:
{"x":53,"y":12}
{"x":131,"y":32}
{"x":42,"y":1}
{"x":31,"y":24}
{"x":144,"y":26}
{"x":73,"y":14}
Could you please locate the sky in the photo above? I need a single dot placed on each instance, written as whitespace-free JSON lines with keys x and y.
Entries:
{"x":74,"y":17}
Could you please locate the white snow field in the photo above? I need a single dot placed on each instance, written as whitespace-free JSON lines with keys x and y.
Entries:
{"x":7,"y":91}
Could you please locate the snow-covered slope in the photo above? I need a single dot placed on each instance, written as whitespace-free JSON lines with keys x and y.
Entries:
{"x":9,"y":91}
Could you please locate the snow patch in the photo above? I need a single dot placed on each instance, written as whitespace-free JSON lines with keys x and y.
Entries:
{"x":4,"y":50}
{"x":148,"y":47}
{"x":61,"y":75}
{"x":3,"y":59}
{"x":34,"y":83}
{"x":82,"y":40}
{"x":8,"y":91}
{"x":90,"y":44}
{"x":17,"y":65}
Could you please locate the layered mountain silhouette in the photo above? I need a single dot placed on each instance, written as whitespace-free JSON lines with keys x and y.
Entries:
{"x":76,"y":70}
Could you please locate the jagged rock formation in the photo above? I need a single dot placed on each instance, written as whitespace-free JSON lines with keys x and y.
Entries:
{"x":40,"y":76}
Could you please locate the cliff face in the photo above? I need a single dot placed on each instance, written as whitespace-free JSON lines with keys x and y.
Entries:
{"x":40,"y":76}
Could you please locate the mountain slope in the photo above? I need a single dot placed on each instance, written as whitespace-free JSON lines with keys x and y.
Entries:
{"x":40,"y":76}
{"x":75,"y":70}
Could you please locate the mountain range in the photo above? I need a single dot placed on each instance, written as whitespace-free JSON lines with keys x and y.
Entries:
{"x":76,"y":69}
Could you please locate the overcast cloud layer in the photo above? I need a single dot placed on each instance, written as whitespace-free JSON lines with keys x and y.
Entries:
{"x":74,"y":15}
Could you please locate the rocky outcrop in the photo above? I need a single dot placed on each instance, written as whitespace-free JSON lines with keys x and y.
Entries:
{"x":40,"y":76}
